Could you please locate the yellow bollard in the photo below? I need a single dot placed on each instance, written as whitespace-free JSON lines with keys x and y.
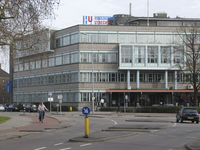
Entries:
{"x":86,"y":127}
{"x":70,"y":108}
{"x":57,"y":109}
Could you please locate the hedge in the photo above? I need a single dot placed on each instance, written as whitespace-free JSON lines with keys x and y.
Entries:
{"x":149,"y":109}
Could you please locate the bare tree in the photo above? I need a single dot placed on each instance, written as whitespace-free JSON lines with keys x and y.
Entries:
{"x":22,"y":20}
{"x":189,"y":64}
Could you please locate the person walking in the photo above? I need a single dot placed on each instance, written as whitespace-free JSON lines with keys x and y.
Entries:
{"x":102,"y":102}
{"x":41,"y":108}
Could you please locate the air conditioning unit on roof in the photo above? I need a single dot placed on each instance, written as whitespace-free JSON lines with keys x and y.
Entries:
{"x":190,"y":87}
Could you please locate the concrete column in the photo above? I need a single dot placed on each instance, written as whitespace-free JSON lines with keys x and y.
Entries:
{"x":166,"y":79}
{"x":128,"y":80}
{"x":138,"y":79}
{"x":175,"y":81}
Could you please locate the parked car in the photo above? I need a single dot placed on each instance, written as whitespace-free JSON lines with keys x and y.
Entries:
{"x":168,"y":104}
{"x":31,"y":108}
{"x":2,"y":107}
{"x":187,"y":113}
{"x":5,"y":106}
{"x":13,"y":108}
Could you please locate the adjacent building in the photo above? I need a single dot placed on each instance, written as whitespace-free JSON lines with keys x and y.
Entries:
{"x":4,"y":96}
{"x":133,"y":58}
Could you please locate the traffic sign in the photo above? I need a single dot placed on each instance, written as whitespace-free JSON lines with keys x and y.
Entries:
{"x":93,"y":98}
{"x":86,"y":110}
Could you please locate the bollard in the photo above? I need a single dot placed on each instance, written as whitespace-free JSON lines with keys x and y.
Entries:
{"x":86,"y":127}
{"x":57,"y":109}
{"x":70,"y":108}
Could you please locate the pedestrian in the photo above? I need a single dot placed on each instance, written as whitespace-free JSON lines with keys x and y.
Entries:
{"x":148,"y":102}
{"x":95,"y":105}
{"x":41,"y":108}
{"x":102,"y":102}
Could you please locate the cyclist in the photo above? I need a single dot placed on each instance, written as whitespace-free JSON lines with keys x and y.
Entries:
{"x":41,"y":108}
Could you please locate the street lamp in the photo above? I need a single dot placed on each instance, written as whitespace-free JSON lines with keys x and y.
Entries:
{"x":92,"y":74}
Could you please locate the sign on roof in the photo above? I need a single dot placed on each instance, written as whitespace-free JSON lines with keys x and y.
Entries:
{"x":97,"y":20}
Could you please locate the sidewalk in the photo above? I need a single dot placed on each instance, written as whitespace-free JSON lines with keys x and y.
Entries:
{"x":21,"y":125}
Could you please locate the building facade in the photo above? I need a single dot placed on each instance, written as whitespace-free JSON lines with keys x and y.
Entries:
{"x":130,"y":62}
{"x":4,"y":96}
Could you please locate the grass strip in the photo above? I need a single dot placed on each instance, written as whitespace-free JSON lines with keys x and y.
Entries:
{"x":4,"y":119}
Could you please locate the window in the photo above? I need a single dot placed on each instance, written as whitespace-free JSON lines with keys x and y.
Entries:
{"x":66,"y":59}
{"x":165,"y":54}
{"x":84,"y":57}
{"x":32,"y":65}
{"x":126,"y":54}
{"x":122,"y":77}
{"x":26,"y":66}
{"x":178,"y":54}
{"x":58,"y":78}
{"x":44,"y":63}
{"x":150,"y":77}
{"x":51,"y":61}
{"x":66,"y":77}
{"x":74,"y":57}
{"x":132,"y":77}
{"x":38,"y":64}
{"x":113,"y":77}
{"x":142,"y":77}
{"x":66,"y":40}
{"x":84,"y":77}
{"x":152,"y":54}
{"x":58,"y":60}
{"x":51,"y":79}
{"x":139,"y":54}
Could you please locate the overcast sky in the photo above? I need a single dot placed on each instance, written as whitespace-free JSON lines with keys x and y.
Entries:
{"x":71,"y":12}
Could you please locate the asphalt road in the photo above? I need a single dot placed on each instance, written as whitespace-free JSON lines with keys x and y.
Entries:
{"x":159,"y":133}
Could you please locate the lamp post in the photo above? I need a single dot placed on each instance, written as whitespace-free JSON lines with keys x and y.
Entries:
{"x":92,"y":78}
{"x":92,"y":74}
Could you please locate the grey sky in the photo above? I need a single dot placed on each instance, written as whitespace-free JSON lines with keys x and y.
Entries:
{"x":71,"y":12}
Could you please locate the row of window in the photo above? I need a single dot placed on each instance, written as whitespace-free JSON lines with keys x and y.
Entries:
{"x":120,"y":37}
{"x":142,"y":54}
{"x":67,"y":96}
{"x":67,"y":58}
{"x":71,"y":77}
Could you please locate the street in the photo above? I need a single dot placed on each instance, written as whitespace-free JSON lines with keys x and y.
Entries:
{"x":160,"y":133}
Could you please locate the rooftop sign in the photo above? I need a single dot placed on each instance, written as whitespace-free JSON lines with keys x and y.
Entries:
{"x":97,"y":20}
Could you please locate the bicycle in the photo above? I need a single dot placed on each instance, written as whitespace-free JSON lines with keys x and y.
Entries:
{"x":41,"y":116}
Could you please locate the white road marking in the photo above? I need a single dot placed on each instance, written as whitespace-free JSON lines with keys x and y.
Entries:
{"x":112,"y":121}
{"x":58,"y":144}
{"x":153,"y":130}
{"x":86,"y":144}
{"x":174,"y":125}
{"x":66,"y":148}
{"x":40,"y":148}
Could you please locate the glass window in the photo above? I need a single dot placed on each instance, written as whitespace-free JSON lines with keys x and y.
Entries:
{"x":178,"y":54}
{"x":122,"y":77}
{"x":113,"y":77}
{"x":66,"y":40}
{"x":32,"y":65}
{"x":84,"y":77}
{"x":103,"y":38}
{"x":58,"y":78}
{"x":74,"y":57}
{"x":112,"y":58}
{"x":58,"y":60}
{"x":44,"y":63}
{"x":51,"y":79}
{"x":85,"y":97}
{"x":38,"y":64}
{"x":139,"y":54}
{"x":51,"y":61}
{"x":15,"y":68}
{"x":152,"y":54}
{"x":165,"y":54}
{"x":103,"y":57}
{"x":66,"y":59}
{"x":66,"y":77}
{"x":74,"y":38}
{"x":150,"y":77}
{"x":84,"y":57}
{"x":21,"y":67}
{"x":126,"y":54}
{"x":132,"y":77}
{"x":112,"y":38}
{"x":26,"y":66}
{"x":74,"y":77}
{"x":142,"y":77}
{"x":44,"y":80}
